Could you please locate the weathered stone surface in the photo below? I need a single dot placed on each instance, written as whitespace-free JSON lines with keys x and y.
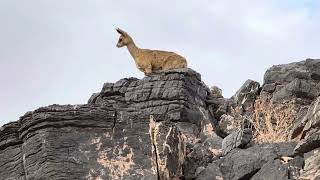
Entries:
{"x":310,"y":134}
{"x":112,"y":137}
{"x":213,"y":142}
{"x":311,"y":169}
{"x":168,"y":149}
{"x":212,"y":172}
{"x":280,"y":170}
{"x":299,"y":88}
{"x":89,"y":141}
{"x":11,"y":162}
{"x":237,"y":139}
{"x":199,"y":157}
{"x":169,"y":125}
{"x":247,"y":94}
{"x":272,"y":170}
{"x":218,"y":106}
{"x":288,"y":90}
{"x":244,"y":163}
{"x":308,"y":70}
{"x":216,"y":92}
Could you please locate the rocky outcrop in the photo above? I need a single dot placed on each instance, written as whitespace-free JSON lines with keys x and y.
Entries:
{"x":170,"y":125}
{"x":132,"y":129}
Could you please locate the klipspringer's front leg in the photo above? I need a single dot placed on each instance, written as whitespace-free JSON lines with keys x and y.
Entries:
{"x":148,"y":71}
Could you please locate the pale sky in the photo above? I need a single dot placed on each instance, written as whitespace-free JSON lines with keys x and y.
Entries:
{"x":62,"y":51}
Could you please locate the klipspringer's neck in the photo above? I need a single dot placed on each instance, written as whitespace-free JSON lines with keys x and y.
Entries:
{"x":133,"y":49}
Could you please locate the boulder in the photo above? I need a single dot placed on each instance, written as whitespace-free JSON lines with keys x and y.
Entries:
{"x":311,"y":169}
{"x":272,"y":170}
{"x":212,"y":172}
{"x":308,"y":70}
{"x":310,"y":134}
{"x":216,"y":92}
{"x":238,"y":139}
{"x":245,"y":163}
{"x":199,"y":157}
{"x":288,"y":91}
{"x":246,"y":95}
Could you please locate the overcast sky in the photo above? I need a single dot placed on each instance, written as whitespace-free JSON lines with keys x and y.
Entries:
{"x":62,"y":51}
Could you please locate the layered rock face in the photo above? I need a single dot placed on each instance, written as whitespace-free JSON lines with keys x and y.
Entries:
{"x":170,"y":125}
{"x":132,"y":129}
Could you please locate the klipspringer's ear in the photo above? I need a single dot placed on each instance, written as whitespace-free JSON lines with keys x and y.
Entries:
{"x":122,"y":32}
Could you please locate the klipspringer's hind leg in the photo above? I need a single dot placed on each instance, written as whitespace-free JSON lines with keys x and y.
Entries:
{"x":174,"y":62}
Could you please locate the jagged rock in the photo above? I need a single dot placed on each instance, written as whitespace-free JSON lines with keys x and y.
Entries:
{"x":216,"y":92}
{"x":246,"y":95}
{"x":310,"y":134}
{"x":297,"y":88}
{"x":245,"y":163}
{"x":212,"y":172}
{"x":288,"y":90}
{"x":308,"y":70}
{"x":280,"y":170}
{"x":271,"y":171}
{"x":169,"y":126}
{"x":237,"y":139}
{"x":228,"y":124}
{"x":91,"y":141}
{"x":311,"y":169}
{"x":11,"y":162}
{"x":199,"y":157}
{"x":270,"y":88}
{"x":295,"y":166}
{"x":168,"y":149}
{"x":218,"y":106}
{"x":112,"y":136}
{"x":214,"y":142}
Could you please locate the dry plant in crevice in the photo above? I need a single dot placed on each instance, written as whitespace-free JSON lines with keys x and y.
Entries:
{"x":272,"y":122}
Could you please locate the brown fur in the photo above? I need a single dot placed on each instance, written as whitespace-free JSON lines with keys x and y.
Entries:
{"x":149,"y":61}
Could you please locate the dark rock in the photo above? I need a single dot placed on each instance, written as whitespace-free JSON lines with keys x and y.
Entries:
{"x":11,"y":162}
{"x":168,"y":149}
{"x":270,"y":88}
{"x":295,"y":167}
{"x":227,"y":125}
{"x":247,"y":94}
{"x":93,"y":98}
{"x":216,"y":92}
{"x":112,"y":137}
{"x":272,"y":170}
{"x":288,"y":90}
{"x":311,"y":169}
{"x":298,"y":88}
{"x":169,"y":126}
{"x":310,"y":134}
{"x":214,"y":142}
{"x":244,"y":163}
{"x":212,"y":172}
{"x":218,"y":106}
{"x":308,"y":70}
{"x":238,"y":139}
{"x":199,"y":157}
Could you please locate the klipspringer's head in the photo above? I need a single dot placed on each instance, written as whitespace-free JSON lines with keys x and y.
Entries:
{"x":124,"y":38}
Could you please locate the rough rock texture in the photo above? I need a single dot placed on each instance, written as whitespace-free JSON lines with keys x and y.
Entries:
{"x":287,"y":93}
{"x":238,"y":139}
{"x":170,"y":125}
{"x":311,"y":169}
{"x":132,"y":129}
